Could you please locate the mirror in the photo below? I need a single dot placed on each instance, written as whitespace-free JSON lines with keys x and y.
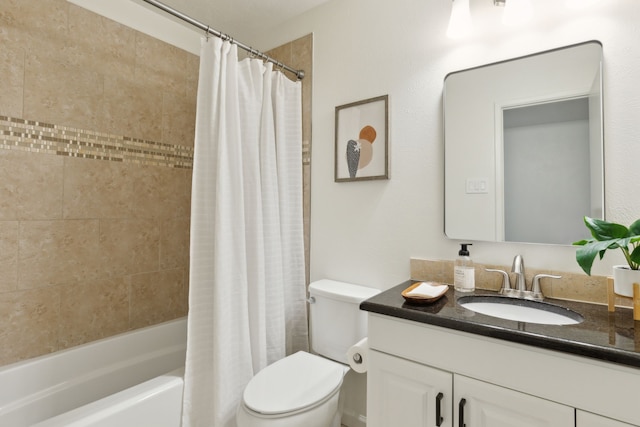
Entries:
{"x":523,"y":143}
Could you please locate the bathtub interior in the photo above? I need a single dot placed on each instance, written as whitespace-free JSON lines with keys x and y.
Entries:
{"x":37,"y":389}
{"x":156,"y":402}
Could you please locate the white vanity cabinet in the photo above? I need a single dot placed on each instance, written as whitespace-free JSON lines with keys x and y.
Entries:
{"x":405,"y":393}
{"x":481,"y":404}
{"x":416,"y":370}
{"x":586,"y":419}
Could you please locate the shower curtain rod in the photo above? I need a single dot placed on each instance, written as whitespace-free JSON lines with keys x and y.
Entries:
{"x":208,"y":30}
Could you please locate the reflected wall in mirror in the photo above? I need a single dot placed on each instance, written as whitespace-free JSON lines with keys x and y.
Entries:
{"x":524,"y":147}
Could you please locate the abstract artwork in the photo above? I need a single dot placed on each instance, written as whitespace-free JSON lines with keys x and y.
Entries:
{"x":362,"y":140}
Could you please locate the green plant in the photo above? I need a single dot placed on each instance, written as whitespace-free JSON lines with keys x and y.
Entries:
{"x":609,"y":235}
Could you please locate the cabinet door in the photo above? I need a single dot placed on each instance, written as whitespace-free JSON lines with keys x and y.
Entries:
{"x":480,"y":404}
{"x":407,"y":394}
{"x":587,"y":419}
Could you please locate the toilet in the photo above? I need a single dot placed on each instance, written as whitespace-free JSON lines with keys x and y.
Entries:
{"x":303,"y":389}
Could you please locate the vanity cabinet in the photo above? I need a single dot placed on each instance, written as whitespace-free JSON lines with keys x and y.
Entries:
{"x":419,"y":373}
{"x":406,"y":393}
{"x":478,"y":403}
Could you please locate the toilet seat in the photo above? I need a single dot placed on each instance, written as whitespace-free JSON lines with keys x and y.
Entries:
{"x":292,"y":384}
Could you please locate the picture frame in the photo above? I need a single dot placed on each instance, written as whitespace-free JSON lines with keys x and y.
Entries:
{"x":362,"y":140}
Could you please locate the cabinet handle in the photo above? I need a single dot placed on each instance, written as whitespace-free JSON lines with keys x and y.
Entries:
{"x":461,"y":413}
{"x":439,"y":418}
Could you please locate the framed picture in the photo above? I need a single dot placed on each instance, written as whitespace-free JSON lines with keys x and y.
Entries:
{"x":362,"y":140}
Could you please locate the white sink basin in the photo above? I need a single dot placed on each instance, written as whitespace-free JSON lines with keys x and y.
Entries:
{"x":520,"y":310}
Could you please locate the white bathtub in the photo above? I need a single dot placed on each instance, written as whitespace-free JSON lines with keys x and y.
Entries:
{"x":154,"y":403}
{"x":38,"y":389}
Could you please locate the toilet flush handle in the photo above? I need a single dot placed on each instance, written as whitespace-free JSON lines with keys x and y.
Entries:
{"x":311,"y":300}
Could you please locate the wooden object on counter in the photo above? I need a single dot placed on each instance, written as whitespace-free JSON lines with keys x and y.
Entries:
{"x":611,"y":298}
{"x":423,"y":299}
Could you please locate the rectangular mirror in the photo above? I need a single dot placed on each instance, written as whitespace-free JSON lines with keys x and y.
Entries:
{"x":524,"y":147}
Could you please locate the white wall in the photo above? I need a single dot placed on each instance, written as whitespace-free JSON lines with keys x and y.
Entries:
{"x":365,"y":232}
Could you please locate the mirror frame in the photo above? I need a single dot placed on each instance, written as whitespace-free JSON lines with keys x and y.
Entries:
{"x":530,"y":98}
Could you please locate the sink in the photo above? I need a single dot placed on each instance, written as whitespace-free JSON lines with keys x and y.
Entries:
{"x":520,"y":310}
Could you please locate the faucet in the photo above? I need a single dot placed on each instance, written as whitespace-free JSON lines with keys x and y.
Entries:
{"x":518,"y":269}
{"x":520,"y":289}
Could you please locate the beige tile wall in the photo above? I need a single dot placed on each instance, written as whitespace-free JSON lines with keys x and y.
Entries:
{"x":96,"y":143}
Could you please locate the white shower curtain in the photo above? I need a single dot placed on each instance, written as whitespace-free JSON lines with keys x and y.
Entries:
{"x":247,"y":280}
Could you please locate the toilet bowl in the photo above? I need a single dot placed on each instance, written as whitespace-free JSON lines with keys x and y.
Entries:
{"x":300,"y":390}
{"x":303,"y":389}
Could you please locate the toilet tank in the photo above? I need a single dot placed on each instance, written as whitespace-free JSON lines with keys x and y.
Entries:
{"x":335,"y":317}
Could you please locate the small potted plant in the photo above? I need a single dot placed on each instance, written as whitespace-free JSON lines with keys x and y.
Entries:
{"x":609,"y":235}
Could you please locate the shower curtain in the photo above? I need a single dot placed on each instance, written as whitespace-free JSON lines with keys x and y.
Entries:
{"x":247,"y":281}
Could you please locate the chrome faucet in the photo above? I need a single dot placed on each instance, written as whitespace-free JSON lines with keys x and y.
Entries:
{"x":518,"y":269}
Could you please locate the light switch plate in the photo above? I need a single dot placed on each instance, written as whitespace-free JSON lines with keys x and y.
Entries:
{"x":477,"y":186}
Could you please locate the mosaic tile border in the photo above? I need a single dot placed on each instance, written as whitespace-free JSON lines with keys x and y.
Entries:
{"x":34,"y":136}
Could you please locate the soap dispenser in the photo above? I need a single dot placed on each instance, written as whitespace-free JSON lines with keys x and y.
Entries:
{"x":464,"y":279}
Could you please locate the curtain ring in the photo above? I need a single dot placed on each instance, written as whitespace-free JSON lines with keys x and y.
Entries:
{"x":206,"y":32}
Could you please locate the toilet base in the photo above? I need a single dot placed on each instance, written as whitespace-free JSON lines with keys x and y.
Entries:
{"x":326,"y":414}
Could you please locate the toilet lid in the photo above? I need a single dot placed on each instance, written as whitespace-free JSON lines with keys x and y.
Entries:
{"x":293,"y":383}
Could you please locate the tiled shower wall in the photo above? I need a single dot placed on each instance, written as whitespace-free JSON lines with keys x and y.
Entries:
{"x":96,"y":145}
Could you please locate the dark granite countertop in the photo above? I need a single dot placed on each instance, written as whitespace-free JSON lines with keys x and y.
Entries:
{"x":609,"y":337}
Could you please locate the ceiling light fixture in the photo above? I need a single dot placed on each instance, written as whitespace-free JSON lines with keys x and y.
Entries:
{"x":460,"y":23}
{"x":516,"y":12}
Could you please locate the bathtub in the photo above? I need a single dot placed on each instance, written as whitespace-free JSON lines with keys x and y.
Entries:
{"x":138,"y":366}
{"x":154,"y":403}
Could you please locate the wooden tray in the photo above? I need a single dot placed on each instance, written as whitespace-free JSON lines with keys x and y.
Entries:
{"x":417,"y":299}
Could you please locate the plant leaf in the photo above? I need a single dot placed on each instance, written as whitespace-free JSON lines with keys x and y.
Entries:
{"x":582,"y":242}
{"x":603,"y":230}
{"x":587,"y":253}
{"x":634,"y":228}
{"x":621,"y":243}
{"x":635,"y":257}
